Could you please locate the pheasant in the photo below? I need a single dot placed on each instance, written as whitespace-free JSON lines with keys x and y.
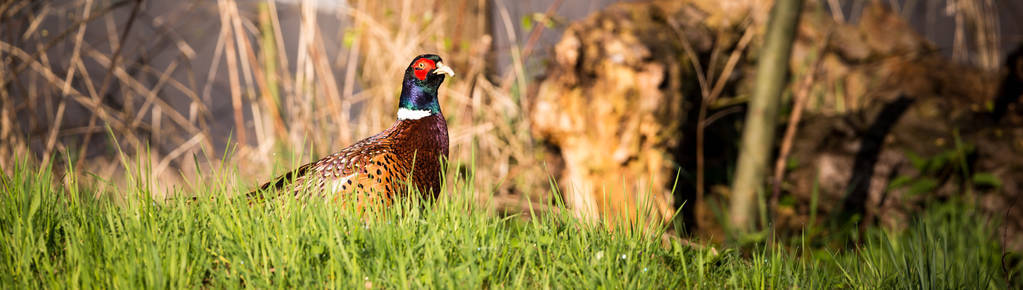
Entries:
{"x":383,"y":165}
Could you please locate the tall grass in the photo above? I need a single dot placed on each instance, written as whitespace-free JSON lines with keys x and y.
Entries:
{"x":54,"y":236}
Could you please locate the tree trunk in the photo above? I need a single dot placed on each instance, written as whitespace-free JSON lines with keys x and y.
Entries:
{"x":758,"y":133}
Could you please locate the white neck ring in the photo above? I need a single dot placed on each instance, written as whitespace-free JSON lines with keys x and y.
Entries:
{"x":408,"y":114}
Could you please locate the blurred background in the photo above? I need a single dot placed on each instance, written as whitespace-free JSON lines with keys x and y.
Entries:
{"x":626,"y":110}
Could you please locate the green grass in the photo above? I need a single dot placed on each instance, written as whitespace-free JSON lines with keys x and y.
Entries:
{"x":54,"y":237}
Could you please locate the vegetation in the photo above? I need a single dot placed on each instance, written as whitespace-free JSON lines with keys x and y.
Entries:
{"x":52,"y":236}
{"x":270,"y":80}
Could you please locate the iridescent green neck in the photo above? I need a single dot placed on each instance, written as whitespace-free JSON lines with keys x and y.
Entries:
{"x":419,"y":97}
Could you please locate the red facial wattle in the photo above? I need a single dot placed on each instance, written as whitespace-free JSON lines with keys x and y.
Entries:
{"x":423,"y":67}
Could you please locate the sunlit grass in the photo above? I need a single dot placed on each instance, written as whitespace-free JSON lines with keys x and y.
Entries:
{"x":55,"y":234}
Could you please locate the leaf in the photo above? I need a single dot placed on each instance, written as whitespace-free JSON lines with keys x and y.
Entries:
{"x":937,"y":163}
{"x":527,"y":22}
{"x":918,"y":162}
{"x":987,"y":179}
{"x":548,"y":22}
{"x":448,"y":44}
{"x":922,"y":185}
{"x":899,"y":181}
{"x":33,"y":206}
{"x":788,"y":200}
{"x":349,"y":38}
{"x":791,"y":163}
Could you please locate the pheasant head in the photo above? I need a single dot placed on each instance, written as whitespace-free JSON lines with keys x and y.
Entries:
{"x":419,"y":88}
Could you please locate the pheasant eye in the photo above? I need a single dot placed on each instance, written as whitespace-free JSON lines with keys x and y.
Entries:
{"x":421,"y":65}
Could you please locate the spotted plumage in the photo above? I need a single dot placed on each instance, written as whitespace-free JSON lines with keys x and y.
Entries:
{"x":406,"y":155}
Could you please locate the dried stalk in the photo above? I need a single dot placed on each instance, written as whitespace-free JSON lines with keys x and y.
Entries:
{"x":232,"y":72}
{"x":801,"y":94}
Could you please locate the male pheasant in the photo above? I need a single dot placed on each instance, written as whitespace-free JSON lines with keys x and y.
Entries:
{"x":382,"y":166}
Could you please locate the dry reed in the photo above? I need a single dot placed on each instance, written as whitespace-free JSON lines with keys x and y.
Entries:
{"x":302,"y":100}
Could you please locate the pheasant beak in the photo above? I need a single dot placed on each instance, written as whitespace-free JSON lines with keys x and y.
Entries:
{"x":444,"y":69}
